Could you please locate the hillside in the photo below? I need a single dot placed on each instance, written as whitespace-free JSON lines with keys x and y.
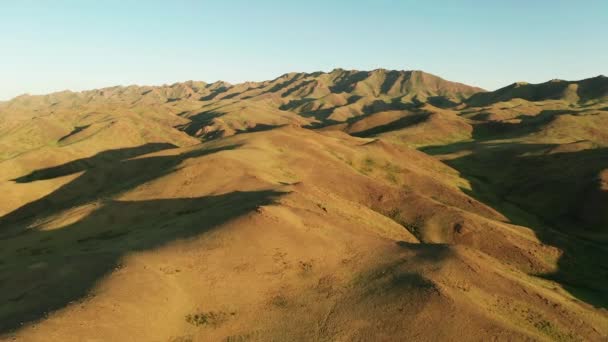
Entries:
{"x":348,"y":205}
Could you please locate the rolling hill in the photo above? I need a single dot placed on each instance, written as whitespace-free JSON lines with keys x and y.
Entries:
{"x":347,"y":205}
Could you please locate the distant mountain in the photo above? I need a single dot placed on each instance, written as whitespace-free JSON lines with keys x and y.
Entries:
{"x":403,"y":85}
{"x":591,"y":89}
{"x":212,"y":110}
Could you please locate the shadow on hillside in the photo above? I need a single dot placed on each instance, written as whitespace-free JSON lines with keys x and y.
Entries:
{"x":309,"y":108}
{"x":297,"y":87}
{"x":75,"y":131}
{"x":282,"y":85}
{"x":306,"y":108}
{"x":368,"y":110}
{"x":347,"y":82}
{"x":442,"y":102}
{"x":395,"y":125}
{"x":434,"y":252}
{"x":214,"y":94}
{"x":259,"y":128}
{"x":405,"y":275}
{"x":199,"y":121}
{"x":550,"y":193}
{"x":389,"y":81}
{"x":45,"y":270}
{"x":529,"y":124}
{"x":105,"y":174}
{"x":97,"y":160}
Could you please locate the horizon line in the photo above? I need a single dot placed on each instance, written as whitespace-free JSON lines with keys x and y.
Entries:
{"x":235,"y":83}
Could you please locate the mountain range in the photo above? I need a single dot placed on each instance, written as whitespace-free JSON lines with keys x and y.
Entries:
{"x":329,"y":206}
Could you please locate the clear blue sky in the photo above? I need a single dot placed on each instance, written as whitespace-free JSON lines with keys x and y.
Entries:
{"x":54,"y":45}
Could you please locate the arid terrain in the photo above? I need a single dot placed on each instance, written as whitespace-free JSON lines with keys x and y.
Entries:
{"x":342,"y":206}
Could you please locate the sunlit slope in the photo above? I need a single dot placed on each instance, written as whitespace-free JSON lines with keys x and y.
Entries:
{"x":230,"y":237}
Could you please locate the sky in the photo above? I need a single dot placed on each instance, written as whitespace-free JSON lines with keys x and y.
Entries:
{"x":48,"y":46}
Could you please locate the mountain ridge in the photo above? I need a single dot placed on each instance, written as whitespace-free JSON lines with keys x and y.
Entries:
{"x":195,"y":85}
{"x":416,"y":85}
{"x":588,"y":89}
